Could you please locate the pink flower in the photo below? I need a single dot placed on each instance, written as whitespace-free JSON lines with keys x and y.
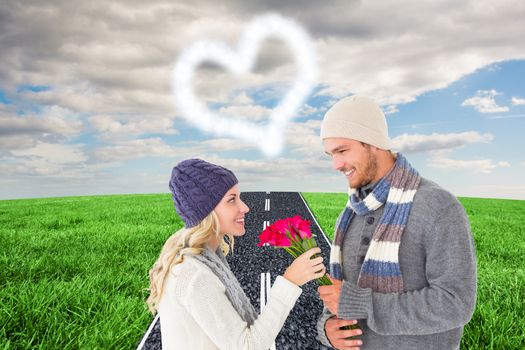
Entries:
{"x":281,"y":226}
{"x":273,"y":237}
{"x":265,"y":237}
{"x":293,"y":235}
{"x":301,"y":227}
{"x":281,"y":241}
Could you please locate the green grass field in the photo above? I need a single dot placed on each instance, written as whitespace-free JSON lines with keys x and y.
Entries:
{"x":73,"y":270}
{"x":498,"y":227}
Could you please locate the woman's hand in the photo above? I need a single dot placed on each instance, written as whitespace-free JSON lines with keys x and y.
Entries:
{"x":304,"y":269}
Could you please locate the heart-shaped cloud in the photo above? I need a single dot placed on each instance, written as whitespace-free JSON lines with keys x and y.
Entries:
{"x":269,"y":138}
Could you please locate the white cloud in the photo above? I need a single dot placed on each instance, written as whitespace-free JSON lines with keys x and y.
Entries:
{"x":52,"y":120}
{"x":13,"y":142}
{"x":250,"y":112}
{"x":110,"y":128}
{"x":53,"y":124}
{"x":119,"y":97}
{"x":219,"y":145}
{"x":242,"y":99}
{"x":390,"y":109}
{"x":307,"y":110}
{"x":484,"y":102}
{"x":54,"y":153}
{"x":442,"y":161}
{"x":303,"y":138}
{"x":35,"y":167}
{"x":113,"y":72}
{"x":507,"y":116}
{"x":518,"y":101}
{"x":127,"y":68}
{"x":50,"y":160}
{"x":270,"y":172}
{"x":134,"y":149}
{"x":413,"y":143}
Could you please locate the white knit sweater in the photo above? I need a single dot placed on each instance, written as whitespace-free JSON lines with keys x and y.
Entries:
{"x":196,"y":314}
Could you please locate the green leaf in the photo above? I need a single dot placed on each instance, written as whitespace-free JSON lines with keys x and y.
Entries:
{"x":305,"y":245}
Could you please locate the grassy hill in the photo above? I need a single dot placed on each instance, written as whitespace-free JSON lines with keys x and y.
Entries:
{"x":73,"y":270}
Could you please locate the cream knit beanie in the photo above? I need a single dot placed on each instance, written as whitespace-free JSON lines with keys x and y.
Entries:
{"x":357,"y":118}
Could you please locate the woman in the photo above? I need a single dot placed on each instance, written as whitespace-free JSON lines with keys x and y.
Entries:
{"x":200,"y":302}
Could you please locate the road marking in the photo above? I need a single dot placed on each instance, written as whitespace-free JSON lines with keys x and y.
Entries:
{"x":265,"y":225}
{"x":268,"y":287}
{"x":145,"y":337}
{"x":267,"y":204}
{"x":265,"y":289}
{"x":265,"y":294}
{"x":320,"y":229}
{"x":268,"y":284}
{"x":267,"y":192}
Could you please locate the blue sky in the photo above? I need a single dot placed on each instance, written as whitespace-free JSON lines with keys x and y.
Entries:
{"x":93,"y":112}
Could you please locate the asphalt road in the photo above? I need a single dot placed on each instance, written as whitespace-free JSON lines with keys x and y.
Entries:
{"x":251,"y":265}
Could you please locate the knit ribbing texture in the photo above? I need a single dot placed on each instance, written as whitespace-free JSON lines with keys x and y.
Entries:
{"x":197,"y":187}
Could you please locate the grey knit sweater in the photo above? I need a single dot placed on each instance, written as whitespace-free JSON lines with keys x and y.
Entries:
{"x":438,"y":264}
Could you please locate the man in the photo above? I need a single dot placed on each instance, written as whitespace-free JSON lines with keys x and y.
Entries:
{"x":403,"y":260}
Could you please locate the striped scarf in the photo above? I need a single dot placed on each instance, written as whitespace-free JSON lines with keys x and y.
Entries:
{"x":380,"y":270}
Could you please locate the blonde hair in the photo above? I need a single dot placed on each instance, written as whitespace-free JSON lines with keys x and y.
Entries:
{"x":186,"y":241}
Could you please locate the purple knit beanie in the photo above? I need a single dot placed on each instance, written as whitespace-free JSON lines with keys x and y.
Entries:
{"x":197,"y":187}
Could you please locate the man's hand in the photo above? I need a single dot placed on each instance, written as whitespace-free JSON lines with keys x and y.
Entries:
{"x":330,"y":295}
{"x":337,"y":336}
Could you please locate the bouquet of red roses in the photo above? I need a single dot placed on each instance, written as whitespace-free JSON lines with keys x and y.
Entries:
{"x":294,"y":235}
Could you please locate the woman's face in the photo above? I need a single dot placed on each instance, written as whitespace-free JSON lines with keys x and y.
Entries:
{"x":231,"y":210}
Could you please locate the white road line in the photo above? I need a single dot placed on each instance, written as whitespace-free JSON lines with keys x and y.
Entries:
{"x":267,"y":192}
{"x":267,"y":204}
{"x":320,"y":228}
{"x":263,"y":292}
{"x":265,"y":225}
{"x":143,"y":341}
{"x":267,"y":286}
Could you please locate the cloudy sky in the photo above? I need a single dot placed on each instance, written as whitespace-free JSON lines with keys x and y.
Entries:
{"x":87,"y":107}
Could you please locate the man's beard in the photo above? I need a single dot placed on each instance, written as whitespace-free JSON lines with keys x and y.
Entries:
{"x":370,"y":169}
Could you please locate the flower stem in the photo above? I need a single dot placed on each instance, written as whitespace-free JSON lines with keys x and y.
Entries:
{"x":324,"y":281}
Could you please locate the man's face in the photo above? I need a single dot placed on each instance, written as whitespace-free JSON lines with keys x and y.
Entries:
{"x":353,"y":159}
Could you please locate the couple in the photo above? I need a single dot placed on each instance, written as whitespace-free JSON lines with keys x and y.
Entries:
{"x":402,"y":261}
